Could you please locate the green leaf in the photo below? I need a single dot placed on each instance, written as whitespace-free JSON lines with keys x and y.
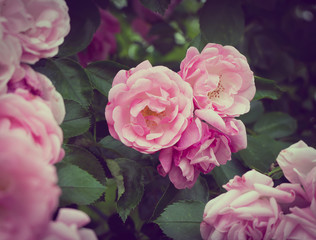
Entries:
{"x":109,"y":205}
{"x":102,"y":73}
{"x":270,"y":94}
{"x":84,"y":21}
{"x":199,"y":42}
{"x":118,"y":176}
{"x":199,"y":192}
{"x":134,"y":187}
{"x":276,"y":125}
{"x":222,"y":21}
{"x":69,"y":78}
{"x":265,"y":81}
{"x":84,"y":159}
{"x":256,"y":111}
{"x":165,"y":199}
{"x":159,"y":6}
{"x":119,"y":148}
{"x":261,"y":152}
{"x":181,"y":220}
{"x":77,"y":185}
{"x":77,"y":120}
{"x":267,"y":88}
{"x":223,"y":173}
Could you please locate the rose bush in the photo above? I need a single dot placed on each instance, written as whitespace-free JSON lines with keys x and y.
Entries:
{"x":248,"y":210}
{"x":39,"y":25}
{"x":28,"y":114}
{"x":149,"y":107}
{"x":200,"y":149}
{"x":222,"y":81}
{"x":103,"y":43}
{"x":28,"y":185}
{"x":68,"y":226}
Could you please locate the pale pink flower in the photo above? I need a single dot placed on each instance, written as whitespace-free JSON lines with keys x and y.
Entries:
{"x":29,"y":115}
{"x":10,"y":55}
{"x":39,"y":85}
{"x":200,"y":149}
{"x":39,"y":25}
{"x":248,"y":210}
{"x":299,"y":220}
{"x":28,"y":185}
{"x":104,"y":42}
{"x":149,"y":107}
{"x":222,"y":81}
{"x":68,"y":226}
{"x":299,"y":224}
{"x":297,"y":161}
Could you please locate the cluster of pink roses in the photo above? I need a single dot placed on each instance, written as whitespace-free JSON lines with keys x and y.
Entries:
{"x":30,"y":113}
{"x":253,"y":209}
{"x":189,"y":115}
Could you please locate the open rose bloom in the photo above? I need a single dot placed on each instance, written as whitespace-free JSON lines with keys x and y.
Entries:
{"x":149,"y":107}
{"x":253,"y":209}
{"x":39,"y":25}
{"x":298,"y":163}
{"x":21,"y":111}
{"x":28,"y":185}
{"x":221,"y":79}
{"x":248,"y":210}
{"x":200,"y":149}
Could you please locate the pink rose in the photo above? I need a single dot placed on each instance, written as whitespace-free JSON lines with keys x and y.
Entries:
{"x":28,"y":186}
{"x":300,"y":224}
{"x":39,"y":85}
{"x":298,"y":164}
{"x":248,"y":210}
{"x":300,"y":220}
{"x":10,"y":55}
{"x":29,"y":115}
{"x":104,"y":42}
{"x":149,"y":107}
{"x":39,"y":25}
{"x":68,"y":226}
{"x":222,"y":81}
{"x":305,"y":190}
{"x":297,"y":160}
{"x":200,"y":149}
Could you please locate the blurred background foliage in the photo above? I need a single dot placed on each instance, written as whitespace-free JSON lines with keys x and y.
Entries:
{"x":120,"y":188}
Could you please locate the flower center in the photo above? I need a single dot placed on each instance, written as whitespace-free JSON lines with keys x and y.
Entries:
{"x":152,"y":118}
{"x":147,"y":112}
{"x":216,"y":92}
